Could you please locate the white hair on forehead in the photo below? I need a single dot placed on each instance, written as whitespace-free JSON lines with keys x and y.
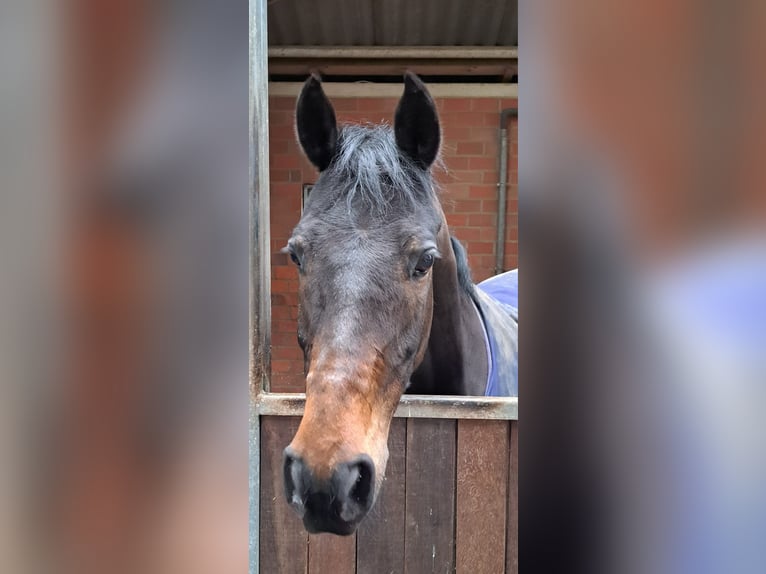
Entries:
{"x":370,"y":163}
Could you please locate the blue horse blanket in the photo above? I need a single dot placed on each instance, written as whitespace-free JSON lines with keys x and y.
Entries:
{"x":497,"y":301}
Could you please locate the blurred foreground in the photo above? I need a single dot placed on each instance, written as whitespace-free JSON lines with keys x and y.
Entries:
{"x":643,"y":238}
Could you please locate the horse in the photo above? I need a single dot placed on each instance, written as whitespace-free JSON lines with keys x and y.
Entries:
{"x":387,"y":304}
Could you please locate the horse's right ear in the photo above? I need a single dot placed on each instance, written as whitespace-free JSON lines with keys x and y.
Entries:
{"x":315,"y":122}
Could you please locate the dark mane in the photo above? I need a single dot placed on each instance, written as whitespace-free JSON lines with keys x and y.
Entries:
{"x":369,"y":166}
{"x":463,"y":270}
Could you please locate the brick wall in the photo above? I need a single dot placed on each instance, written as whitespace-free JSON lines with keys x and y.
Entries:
{"x":469,"y":199}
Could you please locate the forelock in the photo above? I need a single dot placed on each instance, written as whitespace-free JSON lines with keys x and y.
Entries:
{"x":371,"y":167}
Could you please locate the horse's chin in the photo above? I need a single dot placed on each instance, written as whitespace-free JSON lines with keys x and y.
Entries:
{"x":339,"y":527}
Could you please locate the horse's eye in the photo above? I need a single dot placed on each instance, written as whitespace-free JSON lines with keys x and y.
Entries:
{"x":425,"y":263}
{"x":295,"y":258}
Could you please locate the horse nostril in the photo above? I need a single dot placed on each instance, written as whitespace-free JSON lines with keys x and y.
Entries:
{"x":362,"y":489}
{"x":353,"y":483}
{"x":297,"y":479}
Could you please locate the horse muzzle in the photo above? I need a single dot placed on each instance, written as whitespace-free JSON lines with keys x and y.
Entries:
{"x":336,"y":504}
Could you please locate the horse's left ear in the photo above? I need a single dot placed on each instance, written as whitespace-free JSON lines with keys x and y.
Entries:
{"x":416,"y":123}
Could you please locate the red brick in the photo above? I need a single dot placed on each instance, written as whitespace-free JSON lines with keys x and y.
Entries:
{"x":486,"y":105}
{"x":509,"y":103}
{"x":286,"y":162}
{"x":467,"y":206}
{"x":468,"y":233}
{"x":483,"y":191}
{"x":285,"y":132}
{"x":288,"y":272}
{"x":280,"y":118}
{"x":488,"y":233}
{"x":467,"y":119}
{"x":458,"y":163}
{"x":470,"y":148}
{"x":279,"y":175}
{"x":492,"y":119}
{"x":293,"y":354}
{"x":283,"y":189}
{"x":279,"y":312}
{"x":277,"y":147}
{"x":280,"y":339}
{"x":482,"y":163}
{"x":281,"y":366}
{"x":457,"y":219}
{"x":291,"y":382}
{"x":376,"y":105}
{"x":486,"y":261}
{"x":456,"y":104}
{"x":282,"y":325}
{"x":481,"y":219}
{"x":281,"y":103}
{"x":448,"y":151}
{"x":484,"y":133}
{"x":467,"y":176}
{"x":283,"y":219}
{"x":345,"y":104}
{"x":278,"y":259}
{"x":481,"y":247}
{"x":280,"y":286}
{"x":455,"y":133}
{"x":489,"y":205}
{"x":456,"y":191}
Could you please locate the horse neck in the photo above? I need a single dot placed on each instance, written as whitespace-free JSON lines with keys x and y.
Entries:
{"x":455,"y":362}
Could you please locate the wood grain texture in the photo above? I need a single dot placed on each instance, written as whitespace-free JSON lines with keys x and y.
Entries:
{"x":331,"y":554}
{"x":380,"y":538}
{"x":482,"y":484}
{"x":283,"y":539}
{"x":512,"y":527}
{"x":430,"y":496}
{"x":410,"y":406}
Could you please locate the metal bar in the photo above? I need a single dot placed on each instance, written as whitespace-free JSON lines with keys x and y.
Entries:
{"x":260,"y":269}
{"x":502,"y":188}
{"x":410,"y":406}
{"x":254,"y":485}
{"x":375,"y":90}
{"x":384,"y":52}
{"x":259,"y":203}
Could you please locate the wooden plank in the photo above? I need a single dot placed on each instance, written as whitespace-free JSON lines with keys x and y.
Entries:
{"x":380,"y":538}
{"x":329,"y":553}
{"x":388,"y":52}
{"x":378,"y":90}
{"x":283,"y":540}
{"x":410,"y":406}
{"x":512,"y":528}
{"x":489,"y":68}
{"x":430,"y":496}
{"x":482,"y":483}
